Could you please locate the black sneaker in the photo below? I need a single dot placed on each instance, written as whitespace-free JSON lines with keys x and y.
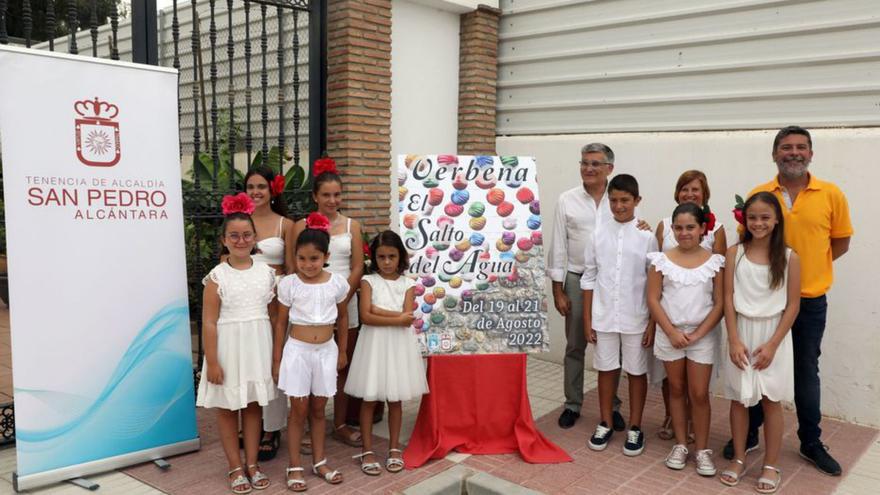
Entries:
{"x":751,"y":444}
{"x":617,"y":421}
{"x":817,"y":453}
{"x":568,"y":418}
{"x":601,"y":437}
{"x":635,"y":442}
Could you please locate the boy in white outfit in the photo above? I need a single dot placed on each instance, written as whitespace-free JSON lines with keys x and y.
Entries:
{"x":616,"y":316}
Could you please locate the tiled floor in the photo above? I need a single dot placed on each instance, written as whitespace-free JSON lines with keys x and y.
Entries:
{"x":591,"y":472}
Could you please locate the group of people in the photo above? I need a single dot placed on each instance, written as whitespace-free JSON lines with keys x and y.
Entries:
{"x":279,"y":322}
{"x":651,"y":304}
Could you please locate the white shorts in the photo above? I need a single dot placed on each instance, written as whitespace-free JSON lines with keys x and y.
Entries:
{"x":611,"y":345}
{"x":702,"y":351}
{"x":308,"y":369}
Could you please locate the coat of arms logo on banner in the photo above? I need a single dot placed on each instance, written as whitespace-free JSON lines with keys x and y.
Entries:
{"x":97,"y":134}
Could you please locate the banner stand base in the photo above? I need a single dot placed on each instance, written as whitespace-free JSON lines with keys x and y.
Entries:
{"x":84,"y":483}
{"x":70,"y":473}
{"x":162,"y":464}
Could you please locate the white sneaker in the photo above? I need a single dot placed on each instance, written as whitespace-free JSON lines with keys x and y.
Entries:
{"x":705,"y":466}
{"x":677,"y":458}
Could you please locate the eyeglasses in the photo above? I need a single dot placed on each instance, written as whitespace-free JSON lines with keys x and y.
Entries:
{"x":235,"y":237}
{"x":594,"y":163}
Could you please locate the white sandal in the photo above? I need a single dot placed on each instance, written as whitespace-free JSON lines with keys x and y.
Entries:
{"x":240,"y":484}
{"x":258,"y":478}
{"x":369,"y":468}
{"x":330,"y":476}
{"x":733,"y":474}
{"x":295,"y":484}
{"x":774,"y":484}
{"x":394,"y":464}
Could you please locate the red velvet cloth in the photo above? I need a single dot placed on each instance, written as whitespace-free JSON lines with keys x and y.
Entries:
{"x":478,"y":405}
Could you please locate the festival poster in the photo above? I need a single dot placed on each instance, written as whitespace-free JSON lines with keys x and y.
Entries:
{"x":101,"y":353}
{"x":472,"y":227}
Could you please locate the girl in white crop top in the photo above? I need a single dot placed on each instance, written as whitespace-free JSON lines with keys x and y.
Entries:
{"x":347,"y":260}
{"x":761,"y":301}
{"x":685,"y":299}
{"x":305,"y":356}
{"x":274,"y":232}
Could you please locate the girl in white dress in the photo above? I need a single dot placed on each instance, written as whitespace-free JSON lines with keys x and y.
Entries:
{"x":237,"y":370}
{"x":305,"y":357}
{"x":274,"y":232}
{"x":761,"y":301}
{"x":387,"y":364}
{"x":685,"y":299}
{"x":347,"y":260}
{"x":692,"y":187}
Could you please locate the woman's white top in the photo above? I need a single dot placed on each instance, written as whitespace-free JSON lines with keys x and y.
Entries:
{"x":272,"y":248}
{"x":312,"y":304}
{"x":669,"y":242}
{"x":752,"y":295}
{"x":687,"y":292}
{"x":244,"y":294}
{"x":340,"y":252}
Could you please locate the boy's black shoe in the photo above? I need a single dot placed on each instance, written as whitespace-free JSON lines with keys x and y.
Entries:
{"x":817,"y":453}
{"x":600,"y":437}
{"x":751,"y":444}
{"x":617,"y":421}
{"x":635,"y":442}
{"x":568,"y":418}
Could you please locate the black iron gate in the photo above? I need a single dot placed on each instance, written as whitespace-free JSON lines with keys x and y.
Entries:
{"x":231,"y":120}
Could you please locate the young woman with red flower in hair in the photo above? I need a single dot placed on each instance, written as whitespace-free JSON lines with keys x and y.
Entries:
{"x":686,"y":300}
{"x":347,"y":260}
{"x":305,"y":357}
{"x":691,"y":187}
{"x":274,"y":232}
{"x":237,"y":334}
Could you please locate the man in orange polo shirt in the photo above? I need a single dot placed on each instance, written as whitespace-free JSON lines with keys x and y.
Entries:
{"x":818,"y":228}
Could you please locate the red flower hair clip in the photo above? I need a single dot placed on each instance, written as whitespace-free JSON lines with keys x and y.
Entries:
{"x":322,"y":165}
{"x":277,"y":185}
{"x":709,"y":217}
{"x":240,"y":203}
{"x":738,"y":210}
{"x":318,"y":221}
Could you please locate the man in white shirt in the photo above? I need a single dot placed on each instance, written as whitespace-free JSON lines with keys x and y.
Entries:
{"x":615,"y":310}
{"x":578,"y":211}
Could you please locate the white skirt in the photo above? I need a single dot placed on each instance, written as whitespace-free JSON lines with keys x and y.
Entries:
{"x":244,"y":353}
{"x":386,"y":366}
{"x":776,"y":382}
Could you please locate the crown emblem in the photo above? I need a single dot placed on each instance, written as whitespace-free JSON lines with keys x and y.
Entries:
{"x":97,"y":134}
{"x":96,"y":109}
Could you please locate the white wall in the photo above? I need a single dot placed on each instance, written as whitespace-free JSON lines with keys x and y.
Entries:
{"x":424,"y":83}
{"x":734,"y":163}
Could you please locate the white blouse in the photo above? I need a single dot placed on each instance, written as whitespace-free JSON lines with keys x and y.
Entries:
{"x":616,"y":270}
{"x":577,"y":215}
{"x":244,"y":294}
{"x":312,"y":304}
{"x":687,"y":292}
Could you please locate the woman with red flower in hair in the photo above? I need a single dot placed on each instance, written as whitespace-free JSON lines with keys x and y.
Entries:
{"x":347,"y":260}
{"x":274,"y":233}
{"x":692,"y":187}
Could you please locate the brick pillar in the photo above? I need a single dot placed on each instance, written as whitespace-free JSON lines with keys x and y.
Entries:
{"x":477,"y":76}
{"x":359,"y":105}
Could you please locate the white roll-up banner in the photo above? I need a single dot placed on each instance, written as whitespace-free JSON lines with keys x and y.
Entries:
{"x":101,"y":351}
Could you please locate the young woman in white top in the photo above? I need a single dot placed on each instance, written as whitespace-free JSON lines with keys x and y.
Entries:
{"x":387,"y":364}
{"x":347,"y":260}
{"x":305,"y":356}
{"x":761,"y":301}
{"x":237,"y":370}
{"x":685,"y":298}
{"x":691,"y":187}
{"x":274,"y":232}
